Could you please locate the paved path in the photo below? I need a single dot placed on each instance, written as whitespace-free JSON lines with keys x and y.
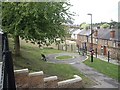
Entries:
{"x":101,"y":80}
{"x":106,"y":59}
{"x":76,"y":58}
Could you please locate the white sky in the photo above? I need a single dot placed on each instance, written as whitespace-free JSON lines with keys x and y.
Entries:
{"x":102,"y":10}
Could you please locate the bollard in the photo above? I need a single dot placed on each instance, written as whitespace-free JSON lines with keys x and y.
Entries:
{"x":71,"y":47}
{"x":66,"y":47}
{"x":83,"y":52}
{"x":108,"y":56}
{"x":58,"y":46}
{"x":96,"y":52}
{"x":92,"y":56}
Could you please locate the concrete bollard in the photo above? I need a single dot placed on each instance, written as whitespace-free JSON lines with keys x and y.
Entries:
{"x":21,"y":78}
{"x":36,"y":80}
{"x":51,"y":82}
{"x":76,"y":82}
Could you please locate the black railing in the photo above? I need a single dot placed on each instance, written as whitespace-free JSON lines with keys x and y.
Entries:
{"x":7,"y":71}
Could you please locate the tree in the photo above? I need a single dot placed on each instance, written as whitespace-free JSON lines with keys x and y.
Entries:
{"x":37,"y":22}
{"x":113,"y":24}
{"x":84,"y":26}
{"x":105,"y":25}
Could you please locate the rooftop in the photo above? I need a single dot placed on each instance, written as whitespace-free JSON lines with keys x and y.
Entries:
{"x":102,"y":33}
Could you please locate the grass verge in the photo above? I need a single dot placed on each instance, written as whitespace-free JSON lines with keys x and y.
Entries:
{"x":106,"y":68}
{"x":64,"y":57}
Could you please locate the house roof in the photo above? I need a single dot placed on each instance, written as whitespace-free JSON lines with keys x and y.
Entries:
{"x":85,"y":32}
{"x":102,"y":33}
{"x":77,"y":31}
{"x":74,"y":31}
{"x":105,"y":34}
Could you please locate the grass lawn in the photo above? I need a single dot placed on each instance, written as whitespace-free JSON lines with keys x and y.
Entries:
{"x":31,"y":58}
{"x":106,"y":68}
{"x":64,"y":57}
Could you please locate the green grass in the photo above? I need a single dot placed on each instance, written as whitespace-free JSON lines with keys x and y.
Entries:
{"x":63,"y":57}
{"x":106,"y":68}
{"x":31,"y":58}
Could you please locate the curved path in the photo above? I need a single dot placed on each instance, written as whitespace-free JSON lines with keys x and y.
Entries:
{"x":76,"y":58}
{"x":101,"y":80}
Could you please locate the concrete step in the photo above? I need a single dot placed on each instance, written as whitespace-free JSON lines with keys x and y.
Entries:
{"x":24,"y":79}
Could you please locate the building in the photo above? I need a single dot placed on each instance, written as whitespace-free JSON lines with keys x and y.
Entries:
{"x":104,"y":40}
{"x":75,"y":33}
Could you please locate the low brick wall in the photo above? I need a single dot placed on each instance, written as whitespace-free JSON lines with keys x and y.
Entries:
{"x":114,"y":53}
{"x":36,"y":80}
{"x":51,"y":82}
{"x":71,"y":83}
{"x":27,"y":80}
{"x":21,"y":78}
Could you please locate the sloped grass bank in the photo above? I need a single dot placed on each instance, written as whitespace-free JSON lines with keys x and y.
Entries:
{"x":31,"y":58}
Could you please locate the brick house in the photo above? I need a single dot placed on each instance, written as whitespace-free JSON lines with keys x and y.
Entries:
{"x":104,"y":40}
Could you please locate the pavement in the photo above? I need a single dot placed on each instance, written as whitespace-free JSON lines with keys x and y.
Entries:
{"x":104,"y":58}
{"x":101,"y":80}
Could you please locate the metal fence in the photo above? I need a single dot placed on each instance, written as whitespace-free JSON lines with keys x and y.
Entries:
{"x":7,"y":80}
{"x":1,"y":47}
{"x":68,"y":47}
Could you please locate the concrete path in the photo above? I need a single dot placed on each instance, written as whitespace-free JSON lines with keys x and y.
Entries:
{"x":106,"y":59}
{"x":101,"y":80}
{"x":76,"y":58}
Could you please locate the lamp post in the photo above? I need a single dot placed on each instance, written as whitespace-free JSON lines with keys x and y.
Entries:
{"x":91,"y":38}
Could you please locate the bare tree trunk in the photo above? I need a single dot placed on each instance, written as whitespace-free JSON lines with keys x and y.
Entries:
{"x":17,"y":45}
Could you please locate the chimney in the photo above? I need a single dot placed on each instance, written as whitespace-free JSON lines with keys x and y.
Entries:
{"x":96,"y":33}
{"x":112,"y":33}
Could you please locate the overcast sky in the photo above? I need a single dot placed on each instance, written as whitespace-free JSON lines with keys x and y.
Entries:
{"x":102,"y":10}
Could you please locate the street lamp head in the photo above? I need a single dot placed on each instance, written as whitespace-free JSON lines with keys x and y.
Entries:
{"x":89,"y":14}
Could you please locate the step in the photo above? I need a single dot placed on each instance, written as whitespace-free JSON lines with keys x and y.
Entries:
{"x":21,"y":78}
{"x":76,"y":82}
{"x":36,"y":80}
{"x":24,"y":79}
{"x":51,"y":82}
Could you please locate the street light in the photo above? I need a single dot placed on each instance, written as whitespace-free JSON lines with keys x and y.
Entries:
{"x":91,"y":38}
